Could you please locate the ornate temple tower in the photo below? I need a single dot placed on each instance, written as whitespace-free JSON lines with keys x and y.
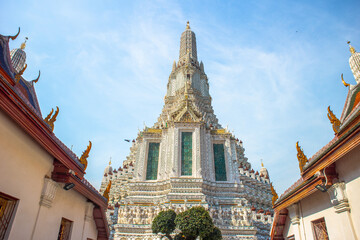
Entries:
{"x":187,"y":159}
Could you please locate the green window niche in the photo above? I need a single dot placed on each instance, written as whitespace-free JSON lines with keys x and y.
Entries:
{"x":152,"y":161}
{"x":219,"y":160}
{"x":186,"y":153}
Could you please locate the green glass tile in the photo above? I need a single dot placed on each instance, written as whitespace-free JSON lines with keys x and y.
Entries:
{"x":152,"y":162}
{"x":219,"y":160}
{"x":186,"y":153}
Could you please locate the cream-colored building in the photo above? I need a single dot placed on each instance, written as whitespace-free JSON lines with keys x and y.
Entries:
{"x":325,"y":202}
{"x":43,"y":192}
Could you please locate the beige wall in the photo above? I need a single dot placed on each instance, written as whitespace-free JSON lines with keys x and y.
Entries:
{"x":24,"y":165}
{"x":344,"y":225}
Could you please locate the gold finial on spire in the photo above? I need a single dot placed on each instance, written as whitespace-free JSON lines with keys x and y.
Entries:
{"x":23,"y":45}
{"x":188,"y":25}
{"x":301,"y":157}
{"x":85,"y":155}
{"x":352,"y":49}
{"x":343,"y":81}
{"x":334,"y":121}
{"x":110,"y":161}
{"x":53,"y":118}
{"x":262,"y":164}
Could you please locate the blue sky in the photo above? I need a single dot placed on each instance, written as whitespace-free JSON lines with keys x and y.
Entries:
{"x":273,"y":67}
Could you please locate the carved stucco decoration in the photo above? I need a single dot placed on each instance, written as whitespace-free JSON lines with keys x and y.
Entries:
{"x":48,"y":193}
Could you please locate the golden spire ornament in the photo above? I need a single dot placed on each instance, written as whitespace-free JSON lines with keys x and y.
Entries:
{"x":301,"y":157}
{"x":85,"y":155}
{"x":23,"y":45}
{"x":51,"y":119}
{"x":351,"y":48}
{"x":334,"y":121}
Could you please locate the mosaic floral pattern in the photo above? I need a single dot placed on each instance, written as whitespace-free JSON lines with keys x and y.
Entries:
{"x":186,"y":153}
{"x":219,"y":159}
{"x":152,"y":162}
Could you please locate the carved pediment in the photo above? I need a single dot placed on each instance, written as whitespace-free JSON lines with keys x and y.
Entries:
{"x":187,"y":115}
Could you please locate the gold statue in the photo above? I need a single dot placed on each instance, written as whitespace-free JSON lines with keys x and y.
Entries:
{"x":343,"y":81}
{"x":51,"y":120}
{"x":85,"y":155}
{"x":14,"y":37}
{"x":107,"y":190}
{"x":18,"y":75}
{"x":334,"y":121}
{"x":275,"y":196}
{"x":301,"y":157}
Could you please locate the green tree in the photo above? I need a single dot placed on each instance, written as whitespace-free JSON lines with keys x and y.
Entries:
{"x":214,"y":235}
{"x":192,"y":223}
{"x":164,"y":223}
{"x":195,"y":222}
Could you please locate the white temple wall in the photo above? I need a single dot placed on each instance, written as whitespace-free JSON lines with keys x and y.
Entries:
{"x":340,"y":223}
{"x":349,"y":172}
{"x":24,"y":165}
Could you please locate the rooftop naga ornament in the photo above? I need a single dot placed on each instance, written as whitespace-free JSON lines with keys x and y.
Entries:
{"x":19,"y":74}
{"x":274,"y":194}
{"x":334,"y":121}
{"x":343,"y":81}
{"x":85,"y":155}
{"x":51,"y":119}
{"x":301,"y":157}
{"x":37,"y":79}
{"x":14,"y":37}
{"x":107,"y":190}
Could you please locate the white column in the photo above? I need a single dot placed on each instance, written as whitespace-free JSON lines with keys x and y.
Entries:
{"x":341,"y":206}
{"x":295,"y":219}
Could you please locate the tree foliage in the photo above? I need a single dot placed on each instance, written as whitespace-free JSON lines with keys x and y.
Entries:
{"x":192,"y":223}
{"x":164,"y":223}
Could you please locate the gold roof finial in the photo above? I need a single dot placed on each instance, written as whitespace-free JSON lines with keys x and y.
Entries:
{"x":352,"y":49}
{"x":107,"y":191}
{"x":19,"y":74}
{"x":301,"y":157}
{"x":110,"y":161}
{"x":334,"y":121}
{"x":343,"y":81}
{"x":23,"y":45}
{"x":262,"y":164}
{"x":85,"y":155}
{"x":188,"y":25}
{"x":274,"y":194}
{"x":51,"y":119}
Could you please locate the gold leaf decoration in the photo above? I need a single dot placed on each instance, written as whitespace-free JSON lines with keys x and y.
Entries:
{"x":37,"y":79}
{"x":85,"y":155}
{"x":334,"y":121}
{"x":301,"y":157}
